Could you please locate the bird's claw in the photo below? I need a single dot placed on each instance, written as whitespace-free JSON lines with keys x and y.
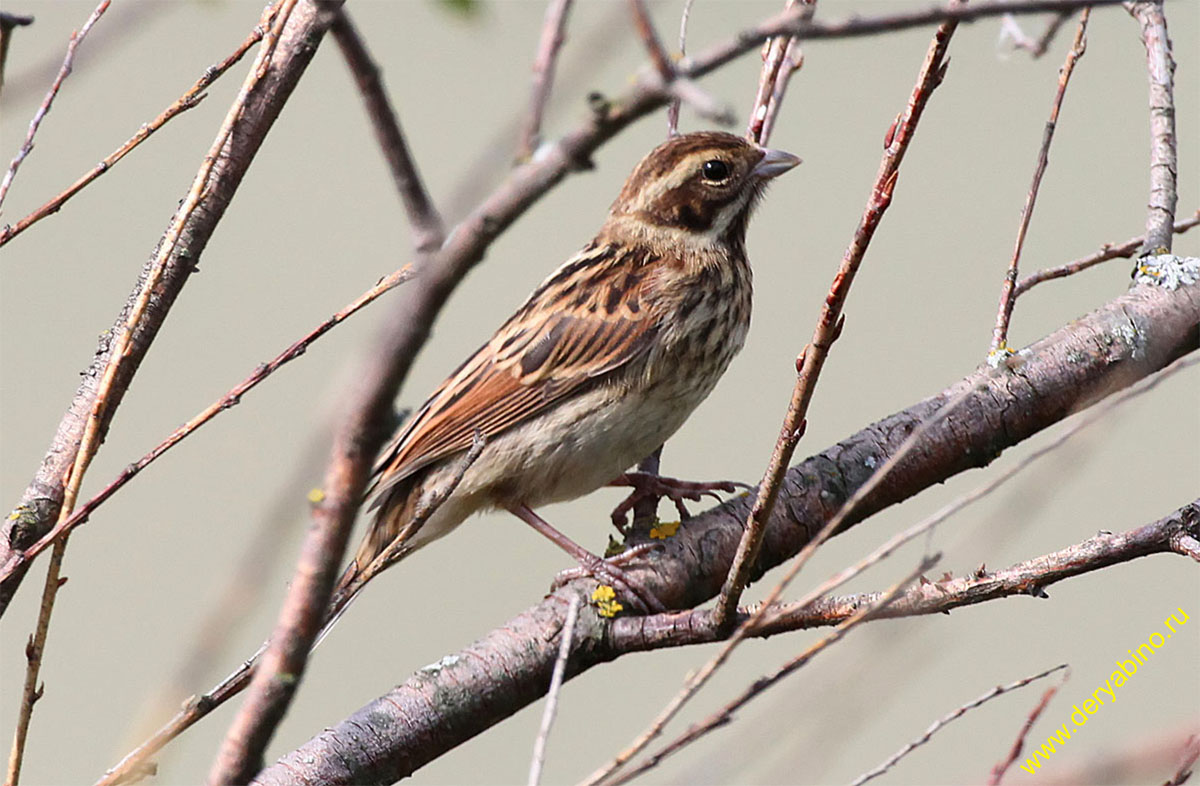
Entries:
{"x":646,"y":485}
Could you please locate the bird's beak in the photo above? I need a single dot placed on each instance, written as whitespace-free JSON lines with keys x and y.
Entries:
{"x":774,"y":163}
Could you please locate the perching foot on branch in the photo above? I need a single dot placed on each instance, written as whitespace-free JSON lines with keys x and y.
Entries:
{"x":646,"y":485}
{"x":608,"y":571}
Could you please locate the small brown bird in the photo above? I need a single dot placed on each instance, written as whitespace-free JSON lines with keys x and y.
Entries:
{"x":603,"y":362}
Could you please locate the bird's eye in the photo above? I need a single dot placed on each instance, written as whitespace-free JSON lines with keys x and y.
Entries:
{"x":715,"y":170}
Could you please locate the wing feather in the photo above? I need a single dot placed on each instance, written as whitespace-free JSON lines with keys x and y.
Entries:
{"x":591,"y":317}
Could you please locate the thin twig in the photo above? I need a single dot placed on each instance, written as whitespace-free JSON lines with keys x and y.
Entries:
{"x":556,"y":681}
{"x":423,"y":218}
{"x":1018,"y":745}
{"x":553,"y":35}
{"x":781,"y":58}
{"x":1010,"y":30}
{"x":44,"y":109}
{"x":191,"y":98}
{"x":658,"y":58}
{"x":829,"y":323}
{"x":232,"y":398}
{"x":940,"y":723}
{"x":1107,"y":251}
{"x":723,"y":715}
{"x":673,"y":107}
{"x":999,"y":349}
{"x":1160,"y":69}
{"x":31,"y":691}
{"x":1028,"y":578}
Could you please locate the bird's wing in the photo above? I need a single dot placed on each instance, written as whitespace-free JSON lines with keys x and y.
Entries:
{"x":592,"y":316}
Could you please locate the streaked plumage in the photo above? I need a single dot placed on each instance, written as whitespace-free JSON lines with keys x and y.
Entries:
{"x":603,"y":362}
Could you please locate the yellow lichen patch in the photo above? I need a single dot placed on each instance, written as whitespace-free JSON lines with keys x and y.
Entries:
{"x":605,"y":601}
{"x":664,"y":529}
{"x":316,"y":496}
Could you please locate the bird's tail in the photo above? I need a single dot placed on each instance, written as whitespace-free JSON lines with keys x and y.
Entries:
{"x":385,"y":543}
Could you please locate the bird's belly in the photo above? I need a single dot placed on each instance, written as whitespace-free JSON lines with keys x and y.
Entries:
{"x":584,"y":444}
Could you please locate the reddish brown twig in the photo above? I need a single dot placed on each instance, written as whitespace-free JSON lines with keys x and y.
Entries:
{"x":1107,"y":251}
{"x":940,"y":723}
{"x":232,"y":398}
{"x":1018,"y":745}
{"x":756,"y":688}
{"x":1160,"y":68}
{"x":553,"y":35}
{"x":781,"y":58}
{"x":658,"y":58}
{"x":44,"y":109}
{"x":999,"y":349}
{"x":1011,"y":30}
{"x":829,"y":323}
{"x":194,"y":95}
{"x":423,"y":218}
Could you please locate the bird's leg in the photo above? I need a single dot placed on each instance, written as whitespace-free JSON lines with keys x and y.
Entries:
{"x":647,"y":485}
{"x":603,"y":570}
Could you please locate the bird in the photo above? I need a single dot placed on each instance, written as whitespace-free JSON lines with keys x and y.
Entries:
{"x":603,"y":362}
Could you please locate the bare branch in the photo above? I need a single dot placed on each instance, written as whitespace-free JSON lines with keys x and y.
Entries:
{"x":673,"y":108}
{"x":556,"y":680}
{"x":194,"y":95}
{"x":423,"y":217}
{"x":756,"y":688}
{"x":829,"y":322}
{"x":1160,"y":68}
{"x":659,"y":59}
{"x":1107,"y":251}
{"x":1019,"y":744}
{"x":553,"y":35}
{"x":941,"y":722}
{"x":999,"y":348}
{"x":1010,"y":30}
{"x":781,"y":58}
{"x":1028,"y":578}
{"x":44,"y":109}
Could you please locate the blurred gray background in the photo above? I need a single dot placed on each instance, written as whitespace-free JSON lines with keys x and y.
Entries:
{"x":317,"y":222}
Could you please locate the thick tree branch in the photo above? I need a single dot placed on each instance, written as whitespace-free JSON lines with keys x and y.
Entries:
{"x":435,"y":710}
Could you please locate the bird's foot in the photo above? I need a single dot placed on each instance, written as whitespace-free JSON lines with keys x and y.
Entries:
{"x":609,"y":571}
{"x":646,"y":485}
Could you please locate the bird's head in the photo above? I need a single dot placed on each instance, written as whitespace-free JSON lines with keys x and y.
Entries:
{"x":699,"y":186}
